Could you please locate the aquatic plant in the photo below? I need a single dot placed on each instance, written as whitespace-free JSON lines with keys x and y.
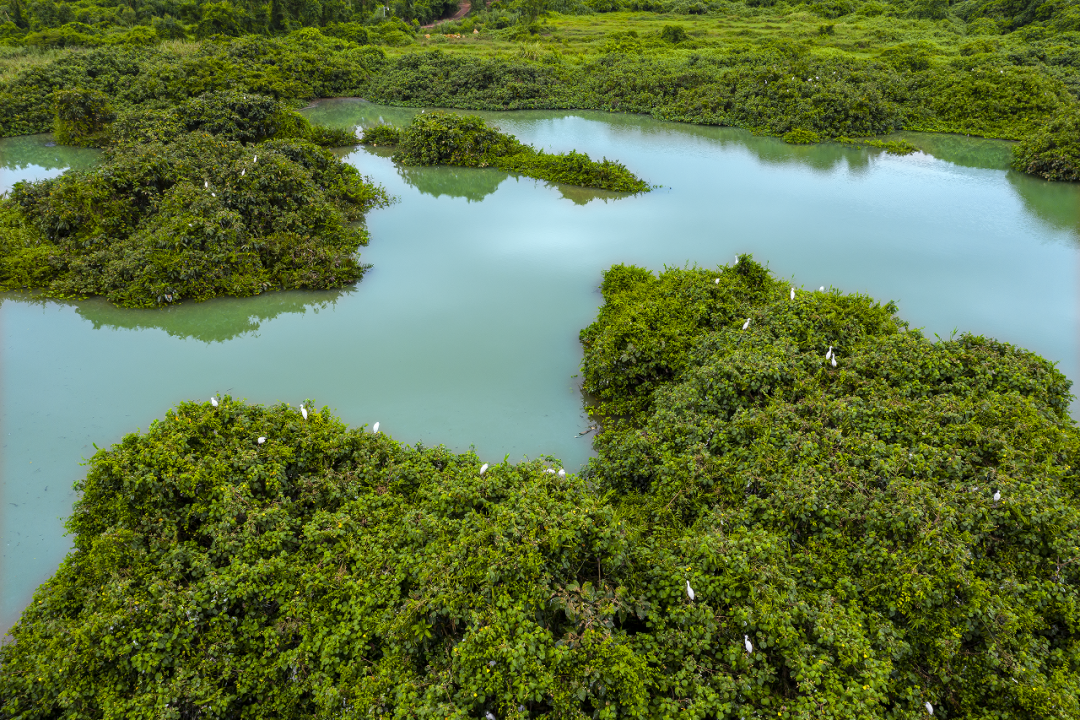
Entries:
{"x":763,"y":533}
{"x":179,"y":214}
{"x":441,"y":138}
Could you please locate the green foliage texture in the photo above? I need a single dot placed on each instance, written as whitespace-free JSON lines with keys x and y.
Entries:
{"x":222,"y":196}
{"x":441,"y":138}
{"x":841,"y":519}
{"x":1053,"y":152}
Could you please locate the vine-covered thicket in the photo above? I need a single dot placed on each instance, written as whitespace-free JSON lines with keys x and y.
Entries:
{"x":890,"y":521}
{"x":441,"y":138}
{"x":223,"y":195}
{"x":876,"y":538}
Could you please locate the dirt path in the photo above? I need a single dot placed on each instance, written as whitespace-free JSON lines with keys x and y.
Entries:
{"x":463,"y":10}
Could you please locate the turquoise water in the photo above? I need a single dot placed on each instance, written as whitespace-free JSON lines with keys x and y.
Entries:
{"x":465,"y":330}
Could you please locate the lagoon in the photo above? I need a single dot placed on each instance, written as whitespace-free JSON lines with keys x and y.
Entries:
{"x":464,"y":332}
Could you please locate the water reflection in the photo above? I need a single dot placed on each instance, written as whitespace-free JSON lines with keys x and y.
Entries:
{"x":1056,"y":204}
{"x":212,"y":321}
{"x":473,"y":184}
{"x":36,"y":157}
{"x":962,"y":150}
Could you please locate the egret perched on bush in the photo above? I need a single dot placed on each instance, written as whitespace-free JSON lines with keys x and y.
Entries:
{"x":716,"y":281}
{"x":834,"y":361}
{"x":821,"y":289}
{"x":262,"y":440}
{"x":792,"y":293}
{"x":375,"y":428}
{"x":749,"y":645}
{"x":562,"y":473}
{"x":303,"y":411}
{"x":213,"y":401}
{"x":483,"y":468}
{"x":997,"y":495}
{"x":550,"y":470}
{"x":746,"y":324}
{"x":689,"y":590}
{"x":828,"y":355}
{"x":929,"y":708}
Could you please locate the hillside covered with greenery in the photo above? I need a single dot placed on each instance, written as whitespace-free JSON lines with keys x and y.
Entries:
{"x":800,"y":509}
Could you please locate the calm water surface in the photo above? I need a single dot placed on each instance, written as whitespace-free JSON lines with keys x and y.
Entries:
{"x":465,"y":331}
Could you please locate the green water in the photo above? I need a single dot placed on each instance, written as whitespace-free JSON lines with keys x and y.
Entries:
{"x":465,"y":331}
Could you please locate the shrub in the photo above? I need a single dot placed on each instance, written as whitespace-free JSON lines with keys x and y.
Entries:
{"x":381,"y":135}
{"x":1053,"y":152}
{"x":82,"y":117}
{"x":799,"y":136}
{"x":673,"y":34}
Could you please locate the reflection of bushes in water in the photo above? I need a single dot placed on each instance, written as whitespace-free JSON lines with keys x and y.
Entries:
{"x":1056,"y":204}
{"x":211,"y":321}
{"x":963,"y":150}
{"x":473,"y":184}
{"x":21,"y":152}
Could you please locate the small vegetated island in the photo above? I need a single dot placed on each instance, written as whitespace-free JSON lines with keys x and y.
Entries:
{"x":800,"y":508}
{"x":225,"y":194}
{"x":441,"y":138}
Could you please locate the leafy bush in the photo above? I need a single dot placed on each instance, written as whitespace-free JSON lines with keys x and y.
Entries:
{"x":440,"y":138}
{"x":1053,"y":152}
{"x":82,"y":117}
{"x":381,"y":134}
{"x":852,"y":520}
{"x":798,"y":136}
{"x":574,"y":168}
{"x":861,"y":539}
{"x":179,"y":215}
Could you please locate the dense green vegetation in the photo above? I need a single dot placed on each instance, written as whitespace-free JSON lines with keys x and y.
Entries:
{"x":441,"y":138}
{"x":895,"y":529}
{"x":810,"y":72}
{"x":223,"y":195}
{"x":1053,"y":152}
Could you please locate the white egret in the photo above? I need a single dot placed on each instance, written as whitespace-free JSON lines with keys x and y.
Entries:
{"x":821,"y":289}
{"x":746,"y":324}
{"x":213,"y":194}
{"x":243,"y":172}
{"x":997,"y":495}
{"x":206,"y":184}
{"x":303,"y":411}
{"x":483,"y":468}
{"x":550,"y":470}
{"x":375,"y":428}
{"x":562,"y":473}
{"x":792,"y":293}
{"x":689,"y":590}
{"x":213,"y":401}
{"x":262,"y":440}
{"x":716,"y":281}
{"x":256,"y":159}
{"x":749,"y":645}
{"x":489,"y":716}
{"x":834,"y":361}
{"x":828,"y":355}
{"x":929,"y":708}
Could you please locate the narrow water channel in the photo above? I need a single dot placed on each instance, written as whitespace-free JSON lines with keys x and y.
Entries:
{"x":464,"y":333}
